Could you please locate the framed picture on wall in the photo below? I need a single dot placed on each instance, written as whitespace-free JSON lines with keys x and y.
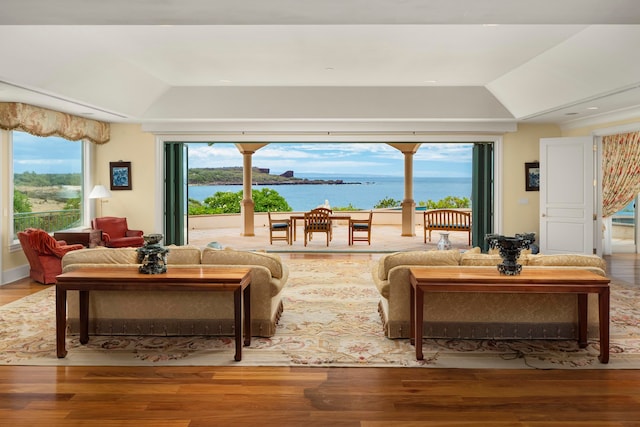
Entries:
{"x":120,"y":175}
{"x":532,"y":176}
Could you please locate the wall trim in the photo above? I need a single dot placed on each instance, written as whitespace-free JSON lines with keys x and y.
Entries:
{"x":13,"y":274}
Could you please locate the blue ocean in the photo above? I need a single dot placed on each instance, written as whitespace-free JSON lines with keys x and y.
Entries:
{"x":362,"y":192}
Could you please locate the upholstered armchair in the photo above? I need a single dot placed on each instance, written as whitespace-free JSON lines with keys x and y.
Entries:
{"x":44,"y":254}
{"x":116,"y":233}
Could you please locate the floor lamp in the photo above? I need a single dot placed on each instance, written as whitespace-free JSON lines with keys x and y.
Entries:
{"x":100,"y":192}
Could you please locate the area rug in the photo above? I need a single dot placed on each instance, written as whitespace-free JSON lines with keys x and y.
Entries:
{"x":330,"y":319}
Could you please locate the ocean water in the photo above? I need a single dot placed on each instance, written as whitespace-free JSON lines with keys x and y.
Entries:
{"x":363,"y":192}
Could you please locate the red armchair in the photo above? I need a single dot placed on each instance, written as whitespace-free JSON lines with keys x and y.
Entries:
{"x":44,"y":254}
{"x":116,"y":233}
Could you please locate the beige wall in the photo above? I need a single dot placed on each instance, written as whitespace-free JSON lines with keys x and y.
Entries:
{"x":129,"y":144}
{"x":520,"y":207}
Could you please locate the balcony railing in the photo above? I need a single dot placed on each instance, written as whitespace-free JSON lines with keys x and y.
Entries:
{"x":49,"y":221}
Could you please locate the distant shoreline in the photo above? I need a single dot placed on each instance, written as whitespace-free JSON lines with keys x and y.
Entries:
{"x":300,"y":182}
{"x":260,"y":176}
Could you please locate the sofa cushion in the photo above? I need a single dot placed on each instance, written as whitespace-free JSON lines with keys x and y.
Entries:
{"x":567,"y":260}
{"x":476,"y":259}
{"x":183,"y":255}
{"x":434,"y":257}
{"x":101,"y":255}
{"x":232,"y":257}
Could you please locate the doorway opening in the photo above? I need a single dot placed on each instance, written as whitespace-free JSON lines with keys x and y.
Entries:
{"x":488,"y":181}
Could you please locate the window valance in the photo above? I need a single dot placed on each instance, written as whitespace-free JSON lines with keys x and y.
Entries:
{"x":44,"y":122}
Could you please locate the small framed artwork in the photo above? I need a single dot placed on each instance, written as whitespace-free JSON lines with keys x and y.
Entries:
{"x":120,"y":175}
{"x":532,"y":176}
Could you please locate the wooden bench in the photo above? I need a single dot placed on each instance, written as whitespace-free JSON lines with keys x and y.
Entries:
{"x":446,"y":220}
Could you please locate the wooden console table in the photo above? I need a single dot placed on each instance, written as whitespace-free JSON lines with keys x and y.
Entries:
{"x":479,"y":279}
{"x":88,"y":238}
{"x":236,"y":280}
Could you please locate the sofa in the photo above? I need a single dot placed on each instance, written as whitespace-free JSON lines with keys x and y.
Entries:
{"x":178,"y":313}
{"x":44,"y":254}
{"x":482,"y":315}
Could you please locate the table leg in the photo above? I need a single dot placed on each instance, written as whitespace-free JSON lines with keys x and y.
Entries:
{"x":247,"y":315}
{"x":237,"y":314}
{"x":582,"y":319}
{"x":603,"y":308}
{"x":419,"y":315}
{"x":61,"y":322}
{"x":294,"y":229}
{"x":84,"y":316}
{"x":412,"y":315}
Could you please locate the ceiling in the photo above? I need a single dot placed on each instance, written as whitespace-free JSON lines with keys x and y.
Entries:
{"x":193,"y":61}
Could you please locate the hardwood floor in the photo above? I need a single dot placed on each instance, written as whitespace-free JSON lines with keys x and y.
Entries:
{"x":299,"y":396}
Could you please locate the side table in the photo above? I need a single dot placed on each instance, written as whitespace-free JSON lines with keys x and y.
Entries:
{"x":89,"y":238}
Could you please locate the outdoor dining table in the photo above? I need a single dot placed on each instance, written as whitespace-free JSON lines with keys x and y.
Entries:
{"x":294,"y":218}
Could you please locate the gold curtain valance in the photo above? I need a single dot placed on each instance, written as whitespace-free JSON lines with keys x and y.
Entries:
{"x":44,"y":122}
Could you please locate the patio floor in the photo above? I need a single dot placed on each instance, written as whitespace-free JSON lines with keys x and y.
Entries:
{"x":384,"y":238}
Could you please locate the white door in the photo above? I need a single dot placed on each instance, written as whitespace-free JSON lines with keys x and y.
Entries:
{"x":567,"y":193}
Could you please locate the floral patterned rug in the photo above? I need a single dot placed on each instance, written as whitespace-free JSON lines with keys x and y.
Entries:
{"x":330,"y":319}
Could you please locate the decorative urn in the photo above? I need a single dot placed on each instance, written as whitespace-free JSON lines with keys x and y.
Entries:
{"x":509,"y":248}
{"x":152,"y":256}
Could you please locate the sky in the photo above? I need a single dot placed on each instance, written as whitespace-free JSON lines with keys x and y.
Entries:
{"x":53,"y":155}
{"x":45,"y":155}
{"x":340,"y":159}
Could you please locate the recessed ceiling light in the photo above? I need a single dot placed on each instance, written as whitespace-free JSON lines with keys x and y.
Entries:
{"x":592,"y":108}
{"x":224,"y":81}
{"x":490,"y":25}
{"x":430,"y":81}
{"x":329,"y":68}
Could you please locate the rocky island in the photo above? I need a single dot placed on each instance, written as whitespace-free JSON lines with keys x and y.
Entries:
{"x":260,"y":176}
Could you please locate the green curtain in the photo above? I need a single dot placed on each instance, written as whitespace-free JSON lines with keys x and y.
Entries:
{"x":176,"y":216}
{"x":482,"y":194}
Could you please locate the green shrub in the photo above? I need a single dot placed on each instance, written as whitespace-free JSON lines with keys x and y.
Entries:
{"x":449,"y":202}
{"x":349,"y":207}
{"x":224,"y":202}
{"x":387,"y":202}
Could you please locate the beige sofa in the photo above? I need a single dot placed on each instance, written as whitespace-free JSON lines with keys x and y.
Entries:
{"x":179,"y":313}
{"x":481,"y":315}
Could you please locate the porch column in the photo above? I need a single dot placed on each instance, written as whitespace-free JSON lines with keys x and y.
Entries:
{"x":408,"y":204}
{"x":247,"y":205}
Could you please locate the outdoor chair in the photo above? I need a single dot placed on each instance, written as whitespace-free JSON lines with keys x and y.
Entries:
{"x":363,"y":229}
{"x":317,"y":221}
{"x":277,"y":227}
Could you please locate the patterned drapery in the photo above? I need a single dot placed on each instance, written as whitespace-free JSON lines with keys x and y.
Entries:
{"x":620,"y":171}
{"x":44,"y":122}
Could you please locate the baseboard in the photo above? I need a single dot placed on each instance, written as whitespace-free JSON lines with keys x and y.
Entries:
{"x":13,"y":274}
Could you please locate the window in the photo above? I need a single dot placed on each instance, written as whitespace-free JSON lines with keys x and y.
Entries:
{"x":47,"y":182}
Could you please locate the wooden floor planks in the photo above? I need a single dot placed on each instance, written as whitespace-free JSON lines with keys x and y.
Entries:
{"x":305,"y":396}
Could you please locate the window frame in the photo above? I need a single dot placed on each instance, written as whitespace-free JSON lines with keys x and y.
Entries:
{"x":86,"y":152}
